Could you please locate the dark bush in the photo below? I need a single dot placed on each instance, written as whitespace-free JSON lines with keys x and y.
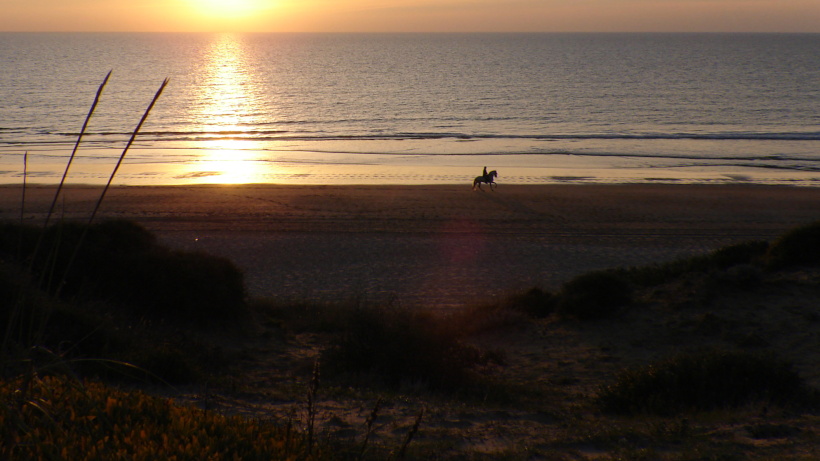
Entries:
{"x":16,"y":240}
{"x":593,"y":296}
{"x":398,"y":346}
{"x":703,"y":381}
{"x":121,"y":263}
{"x":800,"y":246}
{"x":182,"y":286}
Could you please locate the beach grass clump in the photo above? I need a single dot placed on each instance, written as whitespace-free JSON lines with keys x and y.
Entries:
{"x":703,"y":381}
{"x":595,"y":295}
{"x":397,"y":347}
{"x":800,"y":246}
{"x":122,"y":263}
{"x":740,"y":254}
{"x":59,"y":418}
{"x":89,"y":330}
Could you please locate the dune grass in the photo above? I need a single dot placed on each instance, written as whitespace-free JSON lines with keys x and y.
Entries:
{"x":391,"y":350}
{"x":703,"y":381}
{"x":401,"y":347}
{"x":389,"y":346}
{"x":123,"y":264}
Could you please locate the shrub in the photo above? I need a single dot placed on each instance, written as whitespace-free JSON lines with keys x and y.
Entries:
{"x":120,"y":262}
{"x":594,"y":295}
{"x":797,"y":247}
{"x":183,"y":286}
{"x":123,"y":284}
{"x":399,"y":346}
{"x":702,"y":381}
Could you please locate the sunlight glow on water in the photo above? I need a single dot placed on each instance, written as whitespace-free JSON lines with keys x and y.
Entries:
{"x":222,"y":101}
{"x":226,"y":107}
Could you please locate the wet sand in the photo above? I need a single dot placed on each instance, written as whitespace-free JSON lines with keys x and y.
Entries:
{"x":435,"y":246}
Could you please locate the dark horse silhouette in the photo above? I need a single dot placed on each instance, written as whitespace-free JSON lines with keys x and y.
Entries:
{"x":488,"y":178}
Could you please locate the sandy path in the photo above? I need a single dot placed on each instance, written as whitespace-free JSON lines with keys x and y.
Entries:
{"x":436,"y":245}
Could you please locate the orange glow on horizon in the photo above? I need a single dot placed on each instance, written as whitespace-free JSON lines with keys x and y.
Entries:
{"x":413,"y":16}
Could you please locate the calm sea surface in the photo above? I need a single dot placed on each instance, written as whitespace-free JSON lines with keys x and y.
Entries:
{"x":350,"y":109}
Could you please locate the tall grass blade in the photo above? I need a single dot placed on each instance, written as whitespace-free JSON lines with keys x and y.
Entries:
{"x":23,"y":198}
{"x":76,"y":146}
{"x":124,"y":151}
{"x":108,"y":185}
{"x":368,"y":424}
{"x":60,"y":185}
{"x":22,"y":206}
{"x":411,"y":434}
{"x":313,"y":390}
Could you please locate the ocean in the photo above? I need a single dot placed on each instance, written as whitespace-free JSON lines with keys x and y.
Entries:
{"x":413,"y":108}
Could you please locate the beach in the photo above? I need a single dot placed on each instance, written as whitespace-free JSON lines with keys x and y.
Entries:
{"x":433,"y":246}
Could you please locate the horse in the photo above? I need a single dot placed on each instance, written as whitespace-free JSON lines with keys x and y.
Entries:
{"x":488,"y":178}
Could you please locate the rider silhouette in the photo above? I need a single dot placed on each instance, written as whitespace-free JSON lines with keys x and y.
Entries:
{"x":486,"y":178}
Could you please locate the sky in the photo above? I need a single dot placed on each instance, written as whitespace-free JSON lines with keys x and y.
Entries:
{"x":411,"y":15}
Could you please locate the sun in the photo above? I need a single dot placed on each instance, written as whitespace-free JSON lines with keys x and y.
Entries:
{"x":229,"y":8}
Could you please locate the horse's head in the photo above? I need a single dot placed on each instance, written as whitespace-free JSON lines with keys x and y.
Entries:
{"x":493,"y":173}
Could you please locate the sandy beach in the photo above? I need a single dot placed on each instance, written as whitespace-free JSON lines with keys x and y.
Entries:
{"x":434,"y":246}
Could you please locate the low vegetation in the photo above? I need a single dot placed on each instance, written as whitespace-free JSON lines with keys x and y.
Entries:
{"x":597,"y":295}
{"x":116,"y":302}
{"x":390,"y":347}
{"x":399,"y":346}
{"x":117,"y":313}
{"x":797,"y":247}
{"x":121,"y":263}
{"x":703,"y":381}
{"x":59,"y":418}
